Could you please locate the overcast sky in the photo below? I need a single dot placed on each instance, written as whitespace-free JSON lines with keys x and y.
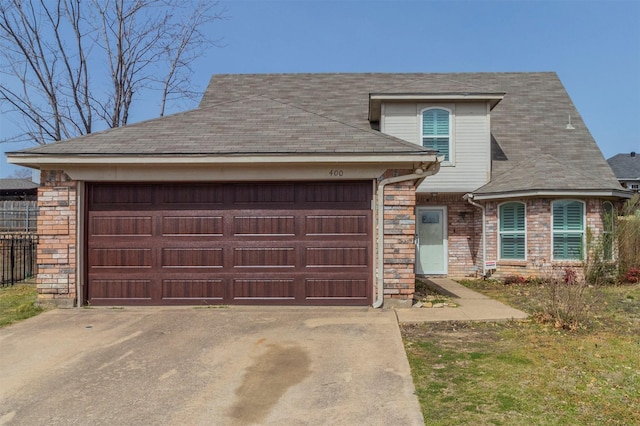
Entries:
{"x":594,"y":46}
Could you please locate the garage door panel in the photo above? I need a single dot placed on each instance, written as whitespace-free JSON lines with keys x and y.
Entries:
{"x":336,"y":288}
{"x":109,"y":289}
{"x":128,"y":196}
{"x":192,"y":258}
{"x":264,"y":225}
{"x":192,"y":225}
{"x":122,"y":226}
{"x":264,"y":288}
{"x":264,"y":257}
{"x":272,"y":193}
{"x":332,"y":225}
{"x":120,"y":258}
{"x":352,"y":257}
{"x":344,"y":193}
{"x":185,"y":196}
{"x":181,"y":289}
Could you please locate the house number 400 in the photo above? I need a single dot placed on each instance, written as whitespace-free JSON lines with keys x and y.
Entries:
{"x":336,"y":172}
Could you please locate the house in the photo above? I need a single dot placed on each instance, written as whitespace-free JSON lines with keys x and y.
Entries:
{"x":18,"y":205}
{"x":322,"y":189}
{"x":12,"y":189}
{"x":626,"y":167}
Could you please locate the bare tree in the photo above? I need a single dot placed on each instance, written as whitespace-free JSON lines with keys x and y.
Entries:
{"x":53,"y":57}
{"x":22,"y":173}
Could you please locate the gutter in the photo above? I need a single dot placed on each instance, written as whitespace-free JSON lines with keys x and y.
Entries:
{"x":469,"y":198}
{"x":419,"y":174}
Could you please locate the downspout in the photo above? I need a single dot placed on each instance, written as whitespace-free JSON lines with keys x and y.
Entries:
{"x":469,"y":198}
{"x":419,"y":174}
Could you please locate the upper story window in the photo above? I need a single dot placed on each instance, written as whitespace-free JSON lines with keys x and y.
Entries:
{"x":436,"y":130}
{"x":568,"y":229}
{"x":512,"y":231}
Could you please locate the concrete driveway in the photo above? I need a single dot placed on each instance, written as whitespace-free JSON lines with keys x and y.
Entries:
{"x":206,"y":366}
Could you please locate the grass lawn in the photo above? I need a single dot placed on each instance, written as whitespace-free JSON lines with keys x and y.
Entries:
{"x":17,"y":303}
{"x":519,"y":373}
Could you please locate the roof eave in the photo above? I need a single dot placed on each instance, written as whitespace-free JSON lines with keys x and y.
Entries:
{"x":598,"y":193}
{"x":376,"y":99}
{"x":49,"y":161}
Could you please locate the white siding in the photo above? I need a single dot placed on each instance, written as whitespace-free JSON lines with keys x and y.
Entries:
{"x":471,"y":165}
{"x":401,"y":121}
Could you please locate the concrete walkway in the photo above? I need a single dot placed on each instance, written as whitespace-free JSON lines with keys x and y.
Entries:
{"x":472,"y":306}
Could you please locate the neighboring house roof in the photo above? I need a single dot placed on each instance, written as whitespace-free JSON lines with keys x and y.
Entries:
{"x":625,"y":166}
{"x":275,"y":114}
{"x":11,"y":184}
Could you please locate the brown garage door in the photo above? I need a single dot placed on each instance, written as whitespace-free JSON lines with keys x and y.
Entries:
{"x":256,"y":243}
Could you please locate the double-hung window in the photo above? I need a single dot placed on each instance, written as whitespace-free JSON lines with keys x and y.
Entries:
{"x":512,"y":231}
{"x":568,"y":229}
{"x":436,"y":131}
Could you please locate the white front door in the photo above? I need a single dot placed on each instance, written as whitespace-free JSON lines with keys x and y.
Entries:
{"x":431,"y":240}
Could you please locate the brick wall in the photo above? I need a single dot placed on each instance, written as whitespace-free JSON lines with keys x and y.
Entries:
{"x":56,"y":279}
{"x":539,"y":261}
{"x":399,"y":248}
{"x":464,"y":233}
{"x":464,"y":224}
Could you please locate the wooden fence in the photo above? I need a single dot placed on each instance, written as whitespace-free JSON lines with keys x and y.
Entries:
{"x":18,"y":216}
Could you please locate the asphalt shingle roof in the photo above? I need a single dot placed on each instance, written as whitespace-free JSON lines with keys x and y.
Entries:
{"x":251,"y":124}
{"x":320,"y":113}
{"x":16,"y":184}
{"x":625,"y":166}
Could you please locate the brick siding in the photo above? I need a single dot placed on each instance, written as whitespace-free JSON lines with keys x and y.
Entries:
{"x":57,"y":203}
{"x":464,"y":224}
{"x":464,"y":233}
{"x":399,"y":248}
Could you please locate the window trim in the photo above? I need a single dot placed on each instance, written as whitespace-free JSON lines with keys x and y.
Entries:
{"x":501,"y":233}
{"x":582,"y":231}
{"x":450,"y":109}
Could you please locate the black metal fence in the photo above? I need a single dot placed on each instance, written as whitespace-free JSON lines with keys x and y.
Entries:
{"x":17,"y":257}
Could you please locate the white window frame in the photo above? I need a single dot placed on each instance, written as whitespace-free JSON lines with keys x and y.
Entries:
{"x":500,"y":233}
{"x":583,"y":231}
{"x":451,"y":110}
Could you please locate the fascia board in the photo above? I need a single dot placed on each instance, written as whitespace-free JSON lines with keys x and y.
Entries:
{"x":32,"y":160}
{"x":437,"y":96}
{"x":525,"y":194}
{"x":376,"y":99}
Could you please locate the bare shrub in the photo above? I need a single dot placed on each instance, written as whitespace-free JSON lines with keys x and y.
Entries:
{"x":628,"y":236}
{"x":564,"y":303}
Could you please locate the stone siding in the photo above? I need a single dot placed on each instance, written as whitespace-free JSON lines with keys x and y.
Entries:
{"x":57,"y":203}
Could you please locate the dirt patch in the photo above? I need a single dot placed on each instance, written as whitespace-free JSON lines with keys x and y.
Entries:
{"x":452,"y":334}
